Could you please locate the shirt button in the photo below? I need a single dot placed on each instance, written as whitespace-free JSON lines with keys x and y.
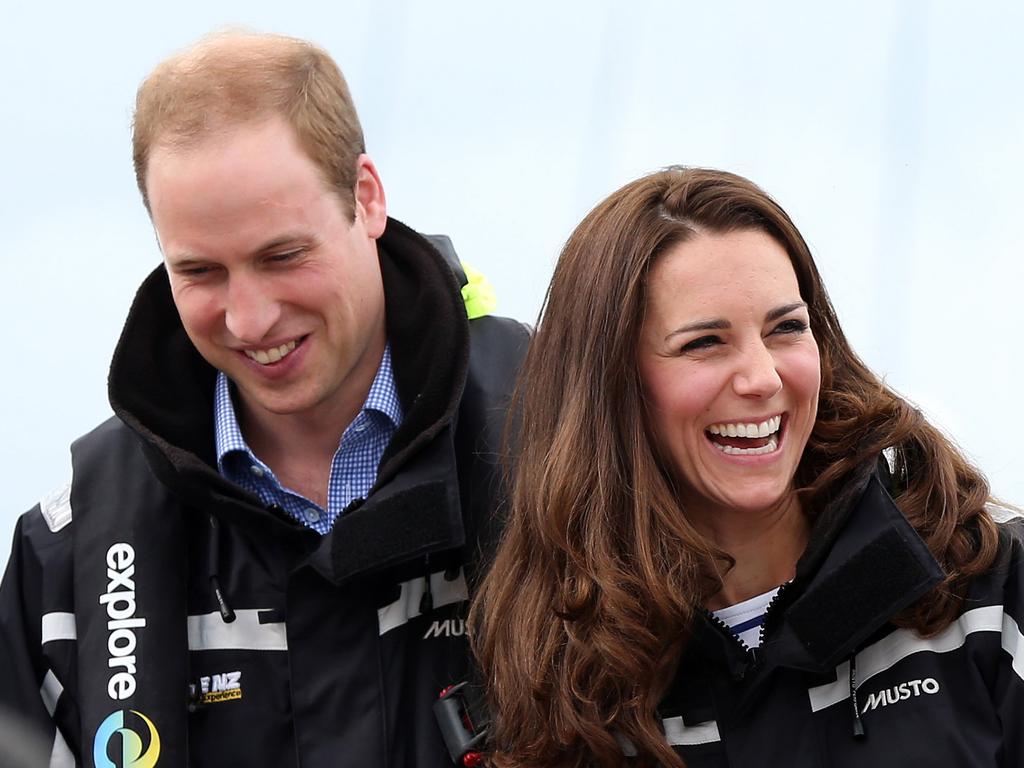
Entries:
{"x":257,"y":470}
{"x":311,"y":515}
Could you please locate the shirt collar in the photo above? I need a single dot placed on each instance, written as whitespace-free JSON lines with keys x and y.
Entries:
{"x":383,"y":395}
{"x":382,"y":398}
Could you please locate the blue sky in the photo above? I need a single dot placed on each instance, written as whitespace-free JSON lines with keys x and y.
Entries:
{"x":890,"y":131}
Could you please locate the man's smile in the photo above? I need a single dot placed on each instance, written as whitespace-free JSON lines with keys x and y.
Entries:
{"x":273,"y":354}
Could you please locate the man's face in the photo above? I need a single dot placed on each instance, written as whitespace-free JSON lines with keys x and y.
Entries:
{"x":274,"y":284}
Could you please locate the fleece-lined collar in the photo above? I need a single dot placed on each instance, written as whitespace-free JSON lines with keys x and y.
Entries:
{"x":864,"y":564}
{"x":163,"y":389}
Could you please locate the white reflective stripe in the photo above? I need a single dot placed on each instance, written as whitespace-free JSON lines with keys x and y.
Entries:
{"x":60,"y":755}
{"x":59,"y":626}
{"x":905,"y":642}
{"x":51,"y":691}
{"x":208,"y":632}
{"x":1002,"y":514}
{"x":680,"y":735}
{"x":56,"y":508}
{"x":407,"y":606}
{"x":822,"y":696}
{"x":1013,"y":644}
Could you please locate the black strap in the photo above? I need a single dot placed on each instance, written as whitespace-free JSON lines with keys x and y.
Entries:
{"x":129,"y":608}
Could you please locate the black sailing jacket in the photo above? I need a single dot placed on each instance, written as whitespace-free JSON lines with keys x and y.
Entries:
{"x":154,"y":611}
{"x":836,"y":685}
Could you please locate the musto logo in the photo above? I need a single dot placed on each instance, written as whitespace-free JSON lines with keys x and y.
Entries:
{"x":136,"y":751}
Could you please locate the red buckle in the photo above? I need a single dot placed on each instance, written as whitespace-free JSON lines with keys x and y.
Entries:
{"x":458,"y":730}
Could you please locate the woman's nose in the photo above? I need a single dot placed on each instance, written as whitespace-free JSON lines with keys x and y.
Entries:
{"x":757,"y":375}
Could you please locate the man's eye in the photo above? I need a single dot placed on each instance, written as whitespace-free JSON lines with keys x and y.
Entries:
{"x":280,"y":258}
{"x":193,"y":271}
{"x":704,"y":342}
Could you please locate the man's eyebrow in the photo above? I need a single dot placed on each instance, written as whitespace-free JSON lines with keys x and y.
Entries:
{"x":184,"y":260}
{"x":288,"y":238}
{"x":187,"y":258}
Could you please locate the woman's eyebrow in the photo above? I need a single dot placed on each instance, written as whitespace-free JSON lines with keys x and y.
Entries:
{"x":700,"y":325}
{"x":721,"y":325}
{"x":785,"y":309}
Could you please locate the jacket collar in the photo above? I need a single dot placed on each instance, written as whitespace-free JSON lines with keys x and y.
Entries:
{"x":864,"y":564}
{"x":876,"y":566}
{"x":163,"y":389}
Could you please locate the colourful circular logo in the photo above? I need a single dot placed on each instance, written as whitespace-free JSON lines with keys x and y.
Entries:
{"x":132,"y":754}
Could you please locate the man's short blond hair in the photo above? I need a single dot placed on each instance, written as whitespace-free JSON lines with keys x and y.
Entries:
{"x":231,"y":78}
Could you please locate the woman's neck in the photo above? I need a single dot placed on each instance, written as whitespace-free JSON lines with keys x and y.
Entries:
{"x":765,"y":546}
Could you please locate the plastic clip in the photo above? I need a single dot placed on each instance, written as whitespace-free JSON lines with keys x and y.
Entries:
{"x":464,"y":742}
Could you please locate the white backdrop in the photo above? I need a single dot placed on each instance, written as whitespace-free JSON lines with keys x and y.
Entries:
{"x":892,"y":134}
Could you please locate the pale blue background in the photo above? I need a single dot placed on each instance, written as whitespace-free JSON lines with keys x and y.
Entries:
{"x":891,"y":131}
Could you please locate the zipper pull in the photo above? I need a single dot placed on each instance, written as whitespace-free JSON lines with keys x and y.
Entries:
{"x":858,"y":724}
{"x":427,"y":599}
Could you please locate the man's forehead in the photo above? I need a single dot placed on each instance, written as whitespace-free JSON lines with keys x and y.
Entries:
{"x":215,"y":131}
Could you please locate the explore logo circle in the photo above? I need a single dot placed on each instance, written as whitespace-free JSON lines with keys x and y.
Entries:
{"x":132,"y":754}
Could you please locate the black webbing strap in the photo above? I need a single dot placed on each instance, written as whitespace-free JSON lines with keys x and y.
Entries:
{"x":129,"y":609}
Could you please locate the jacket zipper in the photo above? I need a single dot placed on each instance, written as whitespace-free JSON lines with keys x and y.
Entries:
{"x":753,"y":656}
{"x":769,"y":611}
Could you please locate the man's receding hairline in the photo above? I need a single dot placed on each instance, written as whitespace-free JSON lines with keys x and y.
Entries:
{"x":229,"y":43}
{"x":181,"y":144}
{"x":220,"y":131}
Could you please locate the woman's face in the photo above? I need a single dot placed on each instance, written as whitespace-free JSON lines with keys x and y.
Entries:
{"x":730,"y":370}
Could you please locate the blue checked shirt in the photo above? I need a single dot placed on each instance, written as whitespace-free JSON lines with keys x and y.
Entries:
{"x":353,"y":469}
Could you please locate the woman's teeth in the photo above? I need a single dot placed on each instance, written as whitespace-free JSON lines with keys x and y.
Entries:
{"x":764,"y":429}
{"x":272,"y":355}
{"x":732,"y":451}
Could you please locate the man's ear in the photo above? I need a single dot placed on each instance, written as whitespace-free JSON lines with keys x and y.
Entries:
{"x":369,"y":197}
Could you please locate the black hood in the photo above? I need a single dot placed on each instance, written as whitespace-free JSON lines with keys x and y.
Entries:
{"x":163,"y":389}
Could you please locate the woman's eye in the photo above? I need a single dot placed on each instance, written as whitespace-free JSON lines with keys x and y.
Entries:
{"x":793,"y":325}
{"x":704,"y":342}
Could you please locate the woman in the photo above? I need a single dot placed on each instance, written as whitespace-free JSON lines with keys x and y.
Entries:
{"x":729,"y":543}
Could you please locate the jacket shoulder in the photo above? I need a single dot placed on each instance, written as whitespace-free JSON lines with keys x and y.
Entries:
{"x":499,"y":334}
{"x":1010,"y":522}
{"x":111,"y":442}
{"x":497,"y":346}
{"x":1003,"y":582}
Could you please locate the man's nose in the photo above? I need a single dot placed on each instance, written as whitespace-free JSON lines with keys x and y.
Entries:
{"x":250,"y":311}
{"x":757,"y":374}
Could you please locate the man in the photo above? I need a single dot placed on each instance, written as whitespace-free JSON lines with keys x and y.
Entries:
{"x":262,"y":559}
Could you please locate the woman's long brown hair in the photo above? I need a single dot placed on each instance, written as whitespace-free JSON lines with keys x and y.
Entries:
{"x":580,"y":621}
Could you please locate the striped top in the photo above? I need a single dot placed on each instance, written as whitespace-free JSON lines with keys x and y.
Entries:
{"x":745,"y":619}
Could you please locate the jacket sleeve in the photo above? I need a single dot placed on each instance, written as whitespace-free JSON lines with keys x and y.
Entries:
{"x":37,"y":648}
{"x":1008,"y":688}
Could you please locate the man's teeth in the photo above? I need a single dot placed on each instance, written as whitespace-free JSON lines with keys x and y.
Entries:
{"x":272,"y":355}
{"x":764,"y":429}
{"x":771,"y":446}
